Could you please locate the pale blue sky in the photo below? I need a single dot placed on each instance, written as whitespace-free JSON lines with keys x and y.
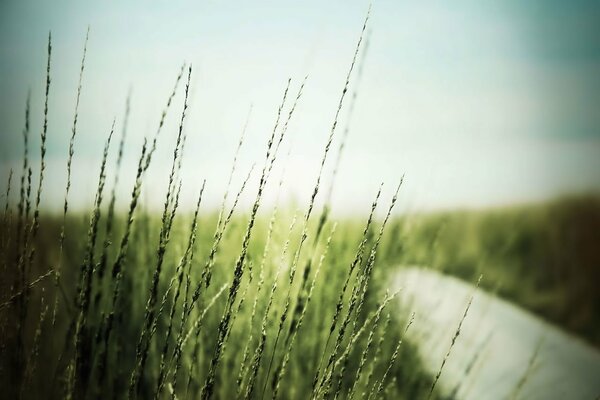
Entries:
{"x":480,"y":103}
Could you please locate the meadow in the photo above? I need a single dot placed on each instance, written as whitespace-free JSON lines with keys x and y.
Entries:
{"x":258,"y":303}
{"x":128,"y":303}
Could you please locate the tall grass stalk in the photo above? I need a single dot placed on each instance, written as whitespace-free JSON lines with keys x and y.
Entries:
{"x":366,"y":276}
{"x":166,"y":224}
{"x":456,"y":334}
{"x":109,"y":226}
{"x":246,"y":353}
{"x":267,"y":243}
{"x":180,"y":272}
{"x":7,"y":195}
{"x":36,"y":211}
{"x":68,"y":186}
{"x":188,"y":306}
{"x":163,"y":117}
{"x":7,"y":221}
{"x":346,"y":131}
{"x":28,"y":286}
{"x":240,"y":142}
{"x":80,"y":368}
{"x":238,"y":309}
{"x":221,"y":223}
{"x":199,"y":320}
{"x":23,"y":233}
{"x":18,"y":284}
{"x":24,"y":173}
{"x":19,"y":281}
{"x":287,"y":122}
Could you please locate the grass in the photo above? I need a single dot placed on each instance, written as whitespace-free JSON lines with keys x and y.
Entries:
{"x":189,"y":318}
{"x":273,"y":303}
{"x":543,"y":256}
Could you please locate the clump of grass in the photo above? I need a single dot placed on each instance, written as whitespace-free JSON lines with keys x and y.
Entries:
{"x":296,"y":327}
{"x":356,"y":301}
{"x":191,"y":339}
{"x":376,"y":392}
{"x":363,"y":357}
{"x":328,"y":375}
{"x":188,"y":305}
{"x":26,"y":255}
{"x":242,"y":370}
{"x":221,"y":225}
{"x":258,"y":352}
{"x":105,"y":330}
{"x":340,"y":302}
{"x":107,"y":326}
{"x":80,"y":369}
{"x":169,"y":211}
{"x":180,"y":272}
{"x":223,"y":329}
{"x":373,"y":363}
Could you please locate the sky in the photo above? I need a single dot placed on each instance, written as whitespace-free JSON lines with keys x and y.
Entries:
{"x":477,"y":103}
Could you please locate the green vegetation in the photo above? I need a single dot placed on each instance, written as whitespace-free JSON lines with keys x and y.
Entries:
{"x":544,"y":257}
{"x":178,"y":305}
{"x":273,"y":303}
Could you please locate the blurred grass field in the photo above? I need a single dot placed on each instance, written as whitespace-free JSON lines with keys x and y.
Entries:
{"x":542,"y":257}
{"x":409,"y":381}
{"x":258,"y":302}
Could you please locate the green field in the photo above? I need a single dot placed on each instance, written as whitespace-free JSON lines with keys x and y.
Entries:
{"x":255,"y":302}
{"x":49,"y":355}
{"x":510,"y":247}
{"x":543,"y":256}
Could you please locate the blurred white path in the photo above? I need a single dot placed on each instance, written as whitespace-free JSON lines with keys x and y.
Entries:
{"x":502,"y":351}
